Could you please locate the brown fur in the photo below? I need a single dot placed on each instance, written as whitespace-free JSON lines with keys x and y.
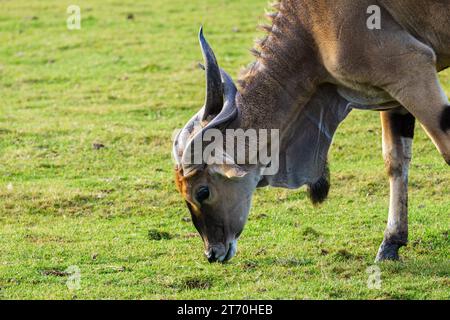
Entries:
{"x":313,"y":42}
{"x":316,"y":48}
{"x":179,"y":180}
{"x":183,"y":187}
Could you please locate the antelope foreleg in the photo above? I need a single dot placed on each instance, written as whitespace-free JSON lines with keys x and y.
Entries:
{"x":398,"y":132}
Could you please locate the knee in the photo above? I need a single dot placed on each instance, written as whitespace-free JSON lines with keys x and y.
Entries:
{"x":395,"y":162}
{"x":394,"y":166}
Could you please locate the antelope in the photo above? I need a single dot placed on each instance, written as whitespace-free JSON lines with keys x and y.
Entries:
{"x":317,"y":62}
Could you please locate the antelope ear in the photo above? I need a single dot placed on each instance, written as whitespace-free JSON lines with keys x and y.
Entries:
{"x":230,"y":171}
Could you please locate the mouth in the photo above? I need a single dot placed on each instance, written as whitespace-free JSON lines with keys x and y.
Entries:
{"x":232,"y":249}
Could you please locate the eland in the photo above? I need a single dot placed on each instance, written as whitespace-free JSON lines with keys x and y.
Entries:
{"x":319,"y":60}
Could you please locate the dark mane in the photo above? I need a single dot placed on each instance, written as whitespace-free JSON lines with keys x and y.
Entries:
{"x":278,"y":50}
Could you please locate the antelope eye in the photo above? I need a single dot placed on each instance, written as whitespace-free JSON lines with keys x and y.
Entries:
{"x":202,"y":194}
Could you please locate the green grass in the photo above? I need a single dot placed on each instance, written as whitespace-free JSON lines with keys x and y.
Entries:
{"x":114,"y":212}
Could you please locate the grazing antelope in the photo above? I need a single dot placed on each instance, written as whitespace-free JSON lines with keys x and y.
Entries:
{"x":318,"y":61}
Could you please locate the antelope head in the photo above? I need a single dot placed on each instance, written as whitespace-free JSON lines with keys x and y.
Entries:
{"x":217,"y":193}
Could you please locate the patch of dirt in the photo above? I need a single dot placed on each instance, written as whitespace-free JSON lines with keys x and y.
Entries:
{"x":261,"y":251}
{"x":55,"y":273}
{"x":98,"y":146}
{"x":310,"y":232}
{"x":260,"y":216}
{"x":196,"y":283}
{"x":157,"y":235}
{"x":190,"y":235}
{"x":42,"y":238}
{"x":112,"y":269}
{"x":249,"y":265}
{"x":343,"y":254}
{"x":294,"y":262}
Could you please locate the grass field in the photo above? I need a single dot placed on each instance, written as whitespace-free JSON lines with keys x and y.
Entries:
{"x":126,"y":80}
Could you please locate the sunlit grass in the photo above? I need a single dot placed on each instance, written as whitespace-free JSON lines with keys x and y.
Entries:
{"x":127,"y":84}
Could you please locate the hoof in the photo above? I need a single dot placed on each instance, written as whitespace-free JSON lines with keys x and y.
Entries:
{"x":388,"y":251}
